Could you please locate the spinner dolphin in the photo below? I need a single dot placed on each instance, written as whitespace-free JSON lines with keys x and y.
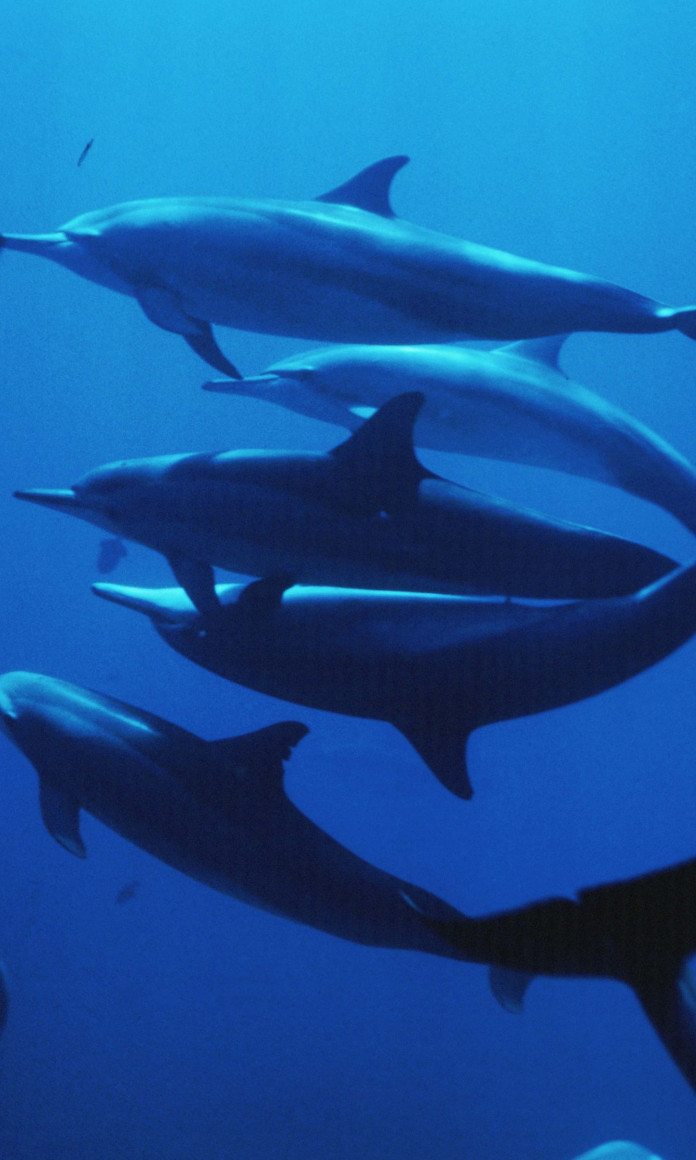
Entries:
{"x":365,"y":515}
{"x":215,"y":810}
{"x":436,"y":667}
{"x":341,"y":268}
{"x":513,"y":403}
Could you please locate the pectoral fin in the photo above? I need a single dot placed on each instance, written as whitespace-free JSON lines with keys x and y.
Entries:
{"x":198,"y":581}
{"x":162,"y":307}
{"x":204,"y":345}
{"x":61,"y":817}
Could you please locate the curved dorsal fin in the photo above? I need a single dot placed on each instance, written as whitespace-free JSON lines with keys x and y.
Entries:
{"x":544,"y":350}
{"x":379,"y":468}
{"x":264,"y":595}
{"x":369,"y":189}
{"x":251,"y":763}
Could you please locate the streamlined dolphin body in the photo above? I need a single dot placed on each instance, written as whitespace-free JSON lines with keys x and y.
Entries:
{"x":216,"y":810}
{"x":619,"y":1150}
{"x":341,"y":268}
{"x":513,"y":403}
{"x":436,"y":667}
{"x":366,"y":515}
{"x":641,"y":931}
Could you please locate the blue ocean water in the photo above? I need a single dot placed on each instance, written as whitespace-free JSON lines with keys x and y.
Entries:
{"x":180,"y":1024}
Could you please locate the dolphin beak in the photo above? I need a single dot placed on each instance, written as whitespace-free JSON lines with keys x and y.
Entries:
{"x":62,"y":499}
{"x":162,"y":605}
{"x":239,"y":386}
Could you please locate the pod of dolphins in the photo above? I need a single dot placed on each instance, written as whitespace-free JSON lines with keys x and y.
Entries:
{"x":376,"y":588}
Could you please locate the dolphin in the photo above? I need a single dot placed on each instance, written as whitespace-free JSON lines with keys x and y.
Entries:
{"x":639,"y":931}
{"x":218,"y":812}
{"x":619,"y":1150}
{"x":436,"y":667}
{"x":514,"y":403}
{"x":340,"y":268}
{"x":365,"y":515}
{"x":215,"y":810}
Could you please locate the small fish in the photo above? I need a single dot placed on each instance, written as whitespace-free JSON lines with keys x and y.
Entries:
{"x":110,"y":552}
{"x":85,"y":151}
{"x":127,"y":892}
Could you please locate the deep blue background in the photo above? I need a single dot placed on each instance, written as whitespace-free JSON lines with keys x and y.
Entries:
{"x":183,"y":1025}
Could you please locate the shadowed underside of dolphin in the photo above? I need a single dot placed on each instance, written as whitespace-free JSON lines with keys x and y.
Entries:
{"x":218,"y":812}
{"x":365,"y":515}
{"x":341,"y":268}
{"x":436,"y":667}
{"x":514,"y":403}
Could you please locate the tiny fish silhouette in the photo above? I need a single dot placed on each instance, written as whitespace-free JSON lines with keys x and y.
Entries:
{"x":110,"y":552}
{"x":127,"y":892}
{"x":85,"y":151}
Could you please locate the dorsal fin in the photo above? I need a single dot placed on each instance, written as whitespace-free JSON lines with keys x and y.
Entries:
{"x":369,"y":189}
{"x":265,"y":595}
{"x":442,"y":745}
{"x":539,"y":350}
{"x":248,"y":764}
{"x":379,"y":465}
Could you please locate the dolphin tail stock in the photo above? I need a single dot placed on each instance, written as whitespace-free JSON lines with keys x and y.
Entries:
{"x":685,"y":320}
{"x":639,"y":931}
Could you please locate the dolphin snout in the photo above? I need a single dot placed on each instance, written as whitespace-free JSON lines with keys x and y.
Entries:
{"x":64,"y":499}
{"x":162,"y":605}
{"x":15,"y":688}
{"x":249,"y":385}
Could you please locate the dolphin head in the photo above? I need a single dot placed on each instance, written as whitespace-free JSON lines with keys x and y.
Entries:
{"x":338,"y":384}
{"x":115,"y":497}
{"x":196,"y":635}
{"x":32,"y":710}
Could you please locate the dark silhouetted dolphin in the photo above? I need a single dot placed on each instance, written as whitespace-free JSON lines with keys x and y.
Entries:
{"x":641,"y":931}
{"x":341,"y":268}
{"x":513,"y":403}
{"x":216,"y":810}
{"x":365,"y":515}
{"x":436,"y":667}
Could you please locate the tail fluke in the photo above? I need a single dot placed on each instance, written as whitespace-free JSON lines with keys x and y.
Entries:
{"x":670,"y":1005}
{"x":640,"y":931}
